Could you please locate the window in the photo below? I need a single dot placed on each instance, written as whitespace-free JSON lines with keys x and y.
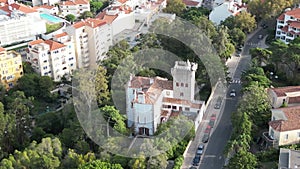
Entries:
{"x":186,"y":85}
{"x":298,"y":134}
{"x":182,"y":84}
{"x":187,"y":109}
{"x":278,"y":32}
{"x":174,"y":107}
{"x":168,"y":93}
{"x":286,"y":136}
{"x":177,"y":84}
{"x":181,"y":94}
{"x":10,"y":85}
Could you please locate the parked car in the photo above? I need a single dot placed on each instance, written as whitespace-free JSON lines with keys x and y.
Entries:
{"x":196,"y":160}
{"x":218,"y":103}
{"x":200,"y":149}
{"x":260,"y":36}
{"x":212,"y":120}
{"x":232,"y":93}
{"x":205,"y":138}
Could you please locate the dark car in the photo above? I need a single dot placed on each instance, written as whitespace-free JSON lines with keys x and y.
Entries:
{"x":205,"y":138}
{"x":196,"y":160}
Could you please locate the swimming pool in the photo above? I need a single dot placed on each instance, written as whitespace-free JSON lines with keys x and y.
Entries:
{"x":51,"y":18}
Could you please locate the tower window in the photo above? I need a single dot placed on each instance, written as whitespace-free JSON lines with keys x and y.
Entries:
{"x":177,"y":84}
{"x":182,"y":84}
{"x":181,"y":94}
{"x":186,"y":85}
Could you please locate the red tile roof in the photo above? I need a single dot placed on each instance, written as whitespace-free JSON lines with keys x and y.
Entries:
{"x":23,"y":8}
{"x":181,"y":102}
{"x":92,"y":22}
{"x":294,"y":24}
{"x":122,"y":1}
{"x":293,"y":120}
{"x":36,"y":42}
{"x":44,"y":6}
{"x":294,"y":13}
{"x":110,"y":18}
{"x":2,"y":49}
{"x":54,"y":45}
{"x":190,"y":3}
{"x":281,"y":91}
{"x":140,"y":82}
{"x":61,"y":35}
{"x":74,"y":2}
{"x":281,"y":17}
{"x":4,"y":1}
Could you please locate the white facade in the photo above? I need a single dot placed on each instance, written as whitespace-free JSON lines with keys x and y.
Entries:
{"x":51,"y":10}
{"x":51,"y":58}
{"x":74,"y":7}
{"x":289,"y":95}
{"x":152,"y":101}
{"x":40,"y":2}
{"x":19,"y":23}
{"x":288,"y":25}
{"x":92,"y":38}
{"x":225,"y":10}
{"x":284,"y":127}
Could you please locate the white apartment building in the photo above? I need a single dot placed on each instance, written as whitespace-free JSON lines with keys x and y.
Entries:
{"x":19,"y":23}
{"x":92,"y":38}
{"x":74,"y":7}
{"x":288,"y":25}
{"x":40,"y":2}
{"x":120,"y":18}
{"x":51,"y":58}
{"x":152,"y":101}
{"x":51,"y":10}
{"x":225,"y":10}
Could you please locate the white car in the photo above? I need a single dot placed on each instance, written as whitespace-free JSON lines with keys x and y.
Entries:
{"x":232,"y":93}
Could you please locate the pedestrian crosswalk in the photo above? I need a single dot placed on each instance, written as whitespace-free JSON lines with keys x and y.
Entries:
{"x":252,"y":44}
{"x":237,"y":81}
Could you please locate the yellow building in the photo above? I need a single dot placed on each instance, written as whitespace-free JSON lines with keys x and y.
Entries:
{"x":10,"y":67}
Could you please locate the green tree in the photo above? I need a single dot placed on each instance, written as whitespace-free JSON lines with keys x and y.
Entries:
{"x":175,"y":6}
{"x":115,"y":118}
{"x":138,"y":163}
{"x":96,"y":164}
{"x":222,"y":43}
{"x":260,"y":54}
{"x":70,"y":17}
{"x":101,"y":86}
{"x":86,"y":14}
{"x":237,"y":36}
{"x":29,"y":84}
{"x":45,"y":85}
{"x":159,"y":161}
{"x":193,"y":13}
{"x":245,"y":21}
{"x":96,"y":5}
{"x":243,"y":159}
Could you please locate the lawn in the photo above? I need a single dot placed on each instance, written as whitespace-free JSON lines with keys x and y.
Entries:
{"x":53,"y":27}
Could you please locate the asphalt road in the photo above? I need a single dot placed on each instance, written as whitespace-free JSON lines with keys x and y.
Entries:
{"x":213,"y":155}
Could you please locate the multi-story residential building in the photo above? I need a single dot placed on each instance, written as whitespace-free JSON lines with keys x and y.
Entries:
{"x":92,"y":38}
{"x":284,"y":127}
{"x":288,"y":25}
{"x":11,"y":68}
{"x":282,"y":96}
{"x":151,"y":101}
{"x":120,"y":18}
{"x":51,"y":58}
{"x":289,"y":159}
{"x":51,"y":10}
{"x":19,"y":23}
{"x":74,"y":7}
{"x":40,"y":2}
{"x":225,"y":10}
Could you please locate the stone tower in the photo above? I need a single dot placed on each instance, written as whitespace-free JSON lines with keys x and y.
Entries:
{"x":184,"y":79}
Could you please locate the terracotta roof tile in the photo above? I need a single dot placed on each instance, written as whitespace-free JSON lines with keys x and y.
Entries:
{"x":294,"y":24}
{"x":74,"y":2}
{"x":44,"y":6}
{"x":78,"y":24}
{"x":122,"y":1}
{"x":181,"y":102}
{"x":54,"y":45}
{"x":294,"y":13}
{"x":61,"y":35}
{"x":281,"y":91}
{"x":190,"y":3}
{"x":109,"y":18}
{"x":293,"y":120}
{"x":4,"y":1}
{"x":36,"y":42}
{"x":140,"y":82}
{"x":94,"y":22}
{"x":2,"y":49}
{"x":23,"y":8}
{"x":281,"y":17}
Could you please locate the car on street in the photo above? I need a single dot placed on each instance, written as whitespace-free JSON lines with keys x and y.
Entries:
{"x":207,"y":130}
{"x":196,"y":160}
{"x":218,"y":103}
{"x":232,"y":93}
{"x":212,"y":120}
{"x":205,"y":138}
{"x":260,"y":36}
{"x":200,"y":149}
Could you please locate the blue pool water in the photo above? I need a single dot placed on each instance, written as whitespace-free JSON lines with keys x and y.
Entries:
{"x":51,"y":18}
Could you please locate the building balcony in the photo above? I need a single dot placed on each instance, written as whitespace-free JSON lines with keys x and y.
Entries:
{"x":86,"y":60}
{"x":86,"y":65}
{"x":270,"y":142}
